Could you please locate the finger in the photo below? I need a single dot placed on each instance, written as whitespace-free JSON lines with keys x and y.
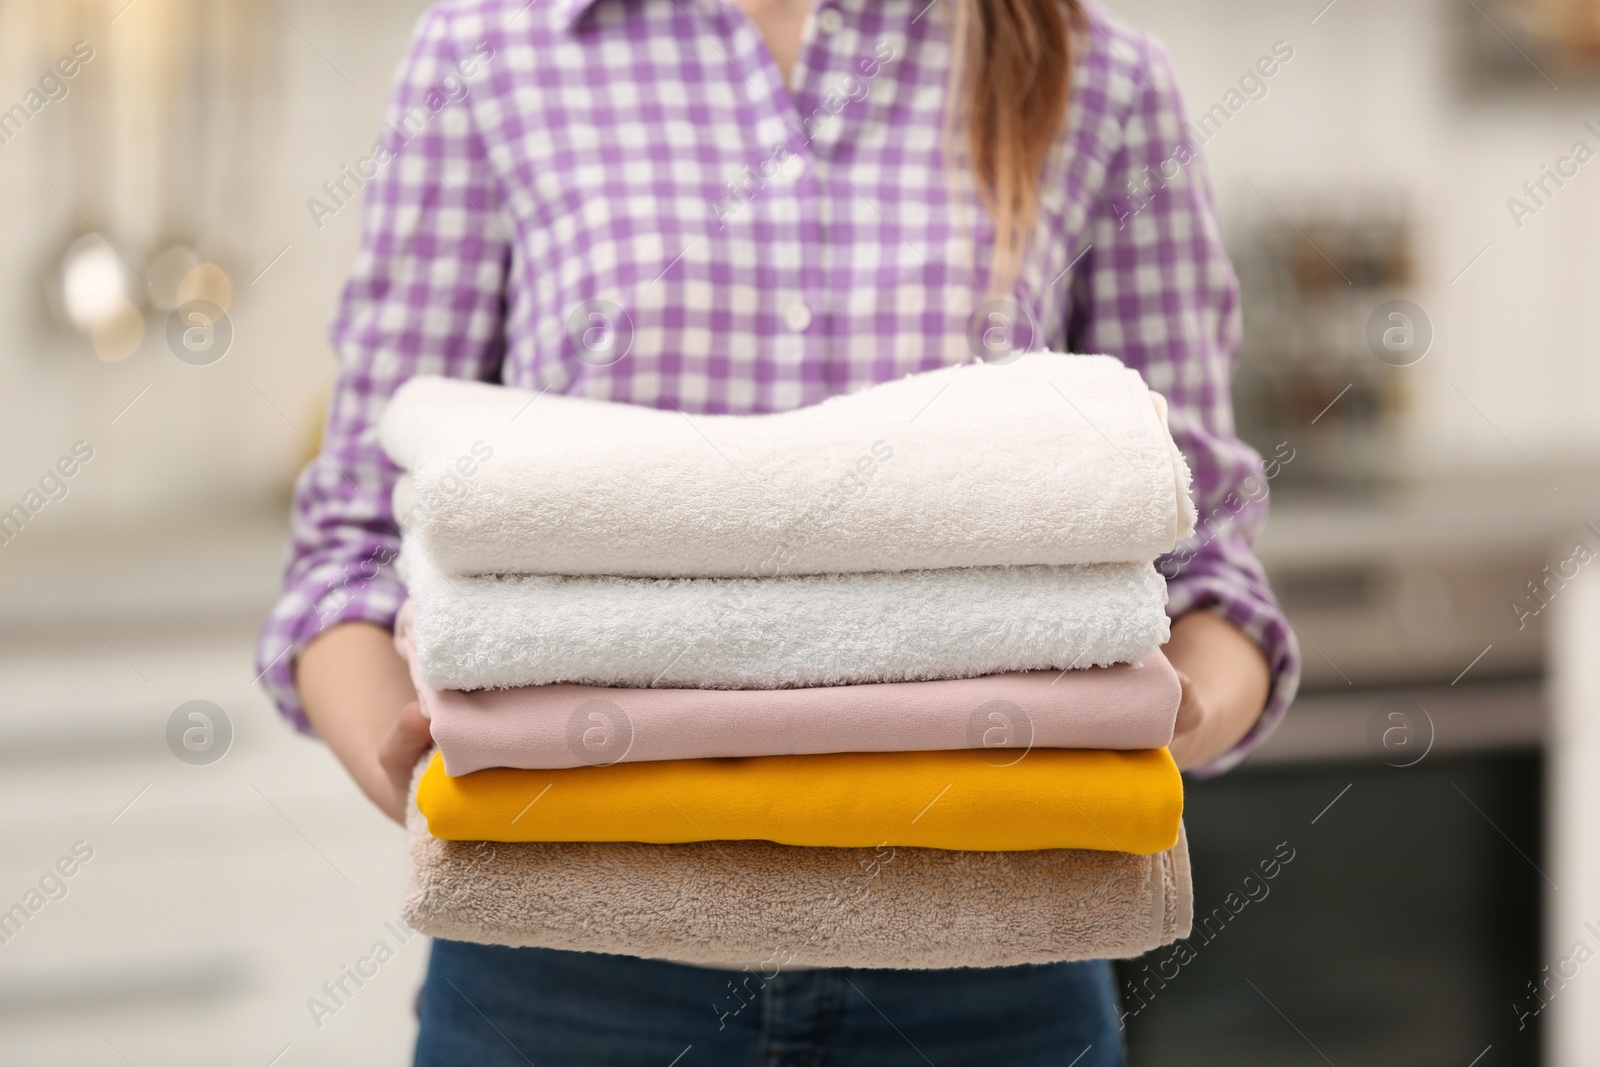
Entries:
{"x":405,"y":743}
{"x":1190,"y":713}
{"x":413,"y":725}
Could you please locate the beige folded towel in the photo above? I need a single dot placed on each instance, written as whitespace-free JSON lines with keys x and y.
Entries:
{"x":761,"y":905}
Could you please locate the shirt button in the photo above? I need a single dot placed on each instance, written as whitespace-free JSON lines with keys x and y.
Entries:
{"x":829,"y":21}
{"x":793,"y":168}
{"x":797,"y":316}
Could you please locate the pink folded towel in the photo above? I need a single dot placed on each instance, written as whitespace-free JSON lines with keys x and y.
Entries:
{"x":766,"y":906}
{"x":1128,"y":706}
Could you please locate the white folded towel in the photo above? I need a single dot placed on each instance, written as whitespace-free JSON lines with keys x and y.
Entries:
{"x":768,"y":633}
{"x":1050,"y":459}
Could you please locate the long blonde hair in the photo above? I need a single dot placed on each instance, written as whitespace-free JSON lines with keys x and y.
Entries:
{"x":1009,"y":87}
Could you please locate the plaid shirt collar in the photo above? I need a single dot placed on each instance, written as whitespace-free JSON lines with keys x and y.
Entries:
{"x":568,"y":12}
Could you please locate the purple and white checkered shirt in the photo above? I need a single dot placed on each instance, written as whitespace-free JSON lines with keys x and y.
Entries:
{"x":757,"y":246}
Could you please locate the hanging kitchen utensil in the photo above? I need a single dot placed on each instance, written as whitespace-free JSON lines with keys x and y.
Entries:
{"x":184,"y":116}
{"x":92,"y":288}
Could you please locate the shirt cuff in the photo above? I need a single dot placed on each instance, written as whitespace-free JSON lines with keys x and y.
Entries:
{"x":1258,"y":615}
{"x":322,"y":599}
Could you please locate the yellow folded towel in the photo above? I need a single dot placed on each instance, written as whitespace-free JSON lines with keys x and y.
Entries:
{"x":964,"y":799}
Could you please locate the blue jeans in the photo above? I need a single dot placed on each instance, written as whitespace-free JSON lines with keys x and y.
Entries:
{"x":483,"y":1005}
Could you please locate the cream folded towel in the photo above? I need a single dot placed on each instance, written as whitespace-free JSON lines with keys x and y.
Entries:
{"x":771,"y":633}
{"x":1050,"y":459}
{"x":762,"y":905}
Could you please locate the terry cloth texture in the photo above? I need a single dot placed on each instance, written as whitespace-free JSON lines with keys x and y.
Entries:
{"x":764,"y":633}
{"x":1129,"y":706}
{"x":757,"y":904}
{"x":967,"y":799}
{"x":1050,"y":459}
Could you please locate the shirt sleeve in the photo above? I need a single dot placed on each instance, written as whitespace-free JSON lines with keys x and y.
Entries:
{"x":425,"y":296}
{"x":1156,"y":289}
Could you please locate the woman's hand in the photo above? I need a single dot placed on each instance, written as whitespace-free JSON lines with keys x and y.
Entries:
{"x":406,"y":742}
{"x":1225,"y":679}
{"x":358,"y":695}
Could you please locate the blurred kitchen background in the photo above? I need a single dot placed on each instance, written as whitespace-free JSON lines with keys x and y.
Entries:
{"x":1420,"y":367}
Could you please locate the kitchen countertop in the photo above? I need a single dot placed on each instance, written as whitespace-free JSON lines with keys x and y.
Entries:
{"x":1470,"y":516}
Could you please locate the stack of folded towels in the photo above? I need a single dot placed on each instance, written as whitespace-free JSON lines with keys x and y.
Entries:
{"x":872,"y":683}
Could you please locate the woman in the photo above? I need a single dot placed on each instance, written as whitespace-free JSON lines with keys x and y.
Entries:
{"x":747,"y":206}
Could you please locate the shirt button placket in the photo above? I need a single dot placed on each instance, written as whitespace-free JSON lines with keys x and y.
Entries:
{"x":800,"y":307}
{"x":797,"y":316}
{"x":791,"y":170}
